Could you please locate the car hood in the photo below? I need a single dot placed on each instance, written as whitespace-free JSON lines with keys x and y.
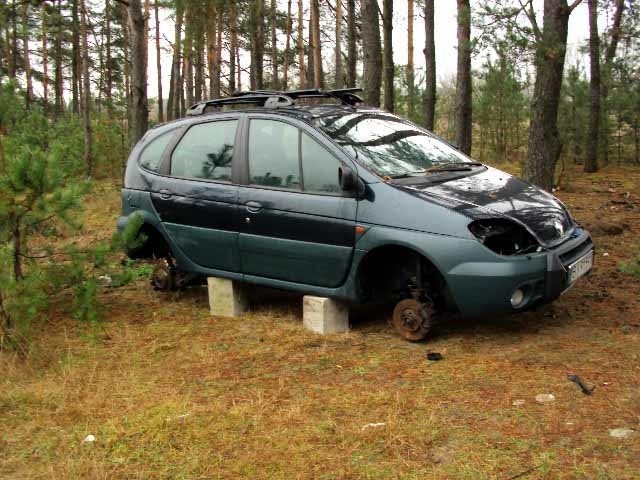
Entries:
{"x":491,"y":193}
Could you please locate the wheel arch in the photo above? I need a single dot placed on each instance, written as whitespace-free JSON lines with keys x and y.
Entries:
{"x":154,"y":244}
{"x":382,"y":274}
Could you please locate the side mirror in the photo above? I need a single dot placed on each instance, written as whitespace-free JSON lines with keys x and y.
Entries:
{"x":347,"y":178}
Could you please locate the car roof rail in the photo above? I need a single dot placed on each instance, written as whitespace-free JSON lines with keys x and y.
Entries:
{"x":347,"y":96}
{"x":277,"y":98}
{"x":263,"y":99}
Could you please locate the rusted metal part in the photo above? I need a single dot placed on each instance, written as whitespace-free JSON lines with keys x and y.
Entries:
{"x":167,"y":276}
{"x":163,"y":276}
{"x":412,"y":319}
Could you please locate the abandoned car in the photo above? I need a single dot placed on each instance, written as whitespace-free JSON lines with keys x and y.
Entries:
{"x":307,"y":191}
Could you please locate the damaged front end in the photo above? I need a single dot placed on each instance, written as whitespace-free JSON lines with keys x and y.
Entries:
{"x":504,"y":236}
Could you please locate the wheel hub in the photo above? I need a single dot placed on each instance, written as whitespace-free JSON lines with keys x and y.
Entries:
{"x":162,"y":277}
{"x":412,"y":319}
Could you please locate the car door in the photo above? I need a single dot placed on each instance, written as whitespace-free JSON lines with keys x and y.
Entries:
{"x":297,"y":224}
{"x":197,"y":199}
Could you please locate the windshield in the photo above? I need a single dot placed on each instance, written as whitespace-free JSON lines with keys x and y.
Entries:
{"x":388,"y":145}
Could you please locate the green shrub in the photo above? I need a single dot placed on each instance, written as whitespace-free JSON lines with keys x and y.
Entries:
{"x":41,"y":199}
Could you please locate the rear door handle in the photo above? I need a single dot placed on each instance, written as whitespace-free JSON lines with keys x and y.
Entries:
{"x":166,"y":194}
{"x":253,"y":207}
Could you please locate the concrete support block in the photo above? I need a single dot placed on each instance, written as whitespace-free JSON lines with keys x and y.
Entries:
{"x":227,"y":298}
{"x":324,"y":315}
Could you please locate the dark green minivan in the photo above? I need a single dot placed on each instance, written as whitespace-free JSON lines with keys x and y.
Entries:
{"x":306,"y":191}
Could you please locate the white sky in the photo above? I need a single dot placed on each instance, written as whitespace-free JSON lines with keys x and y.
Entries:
{"x":445,"y":39}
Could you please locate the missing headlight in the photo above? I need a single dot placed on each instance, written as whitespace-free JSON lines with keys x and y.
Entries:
{"x":503,"y":236}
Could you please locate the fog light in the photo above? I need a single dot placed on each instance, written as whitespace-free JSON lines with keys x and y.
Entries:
{"x":517,"y":297}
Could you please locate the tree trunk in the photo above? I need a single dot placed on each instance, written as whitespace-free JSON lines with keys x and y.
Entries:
{"x":173,"y":104}
{"x":86,"y":89}
{"x":199,"y":45}
{"x":188,"y":55}
{"x":300,"y":45}
{"x":158,"y":63}
{"x":287,"y":47}
{"x":372,"y":52}
{"x":338,"y":80}
{"x":25,"y":53}
{"x":389,"y":69}
{"x":410,"y":70}
{"x":239,"y":69}
{"x":12,"y":42}
{"x":109,"y":72}
{"x":139,"y":108}
{"x":215,"y":30}
{"x":218,"y":57}
{"x":75,"y":58}
{"x":352,"y":52}
{"x":233,"y":27}
{"x":636,"y":138}
{"x":591,"y":160}
{"x":544,"y":141}
{"x":430,"y":66}
{"x":45,"y":60}
{"x":256,"y":25}
{"x":260,"y":45}
{"x":610,"y":53}
{"x":59,"y":86}
{"x":275,"y":82}
{"x":211,"y":47}
{"x":146,"y":33}
{"x":318,"y":80}
{"x":310,"y":51}
{"x":17,"y":251}
{"x":463,"y":81}
{"x":126,"y":48}
{"x":100,"y":68}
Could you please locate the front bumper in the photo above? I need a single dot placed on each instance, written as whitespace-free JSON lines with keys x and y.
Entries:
{"x":558,"y":260}
{"x":486,"y":287}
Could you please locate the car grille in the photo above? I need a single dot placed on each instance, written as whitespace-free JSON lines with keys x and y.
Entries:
{"x":570,"y":256}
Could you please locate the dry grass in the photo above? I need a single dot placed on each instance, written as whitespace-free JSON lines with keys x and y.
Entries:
{"x":170,"y":392}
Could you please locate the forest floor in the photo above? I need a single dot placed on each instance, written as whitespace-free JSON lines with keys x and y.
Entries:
{"x":170,"y":392}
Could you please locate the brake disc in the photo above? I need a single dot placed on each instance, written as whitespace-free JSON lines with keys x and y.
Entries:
{"x":412,"y":319}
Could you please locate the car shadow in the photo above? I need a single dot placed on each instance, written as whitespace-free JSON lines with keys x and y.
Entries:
{"x":375,"y":318}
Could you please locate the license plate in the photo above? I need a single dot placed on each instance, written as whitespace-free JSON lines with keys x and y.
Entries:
{"x":580,"y":267}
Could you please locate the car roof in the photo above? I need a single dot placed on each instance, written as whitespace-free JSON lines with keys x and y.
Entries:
{"x":306,"y":113}
{"x":305,"y":105}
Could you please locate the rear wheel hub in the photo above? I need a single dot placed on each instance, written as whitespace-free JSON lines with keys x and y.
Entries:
{"x":163,"y":276}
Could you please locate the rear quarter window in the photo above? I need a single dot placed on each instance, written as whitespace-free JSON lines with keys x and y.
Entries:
{"x":151,"y":155}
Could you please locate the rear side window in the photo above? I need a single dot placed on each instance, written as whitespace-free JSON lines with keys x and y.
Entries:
{"x":319,"y":168}
{"x":273,"y":154}
{"x":152,"y":154}
{"x":205,"y":151}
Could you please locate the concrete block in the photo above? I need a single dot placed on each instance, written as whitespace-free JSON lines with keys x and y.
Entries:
{"x":227,"y":298}
{"x":324,"y":315}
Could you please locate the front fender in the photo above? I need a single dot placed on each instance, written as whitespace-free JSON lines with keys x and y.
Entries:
{"x":479,"y":280}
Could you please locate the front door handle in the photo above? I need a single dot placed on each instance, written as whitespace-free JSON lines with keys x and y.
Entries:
{"x":253,"y":207}
{"x":164,"y":193}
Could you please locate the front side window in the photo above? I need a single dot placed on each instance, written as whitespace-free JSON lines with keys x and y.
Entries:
{"x":151,"y":156}
{"x":273,"y":154}
{"x":319,"y":168}
{"x":205,"y":151}
{"x":388,"y":145}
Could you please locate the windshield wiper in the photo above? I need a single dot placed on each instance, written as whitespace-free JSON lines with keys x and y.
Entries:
{"x":407,"y":174}
{"x":453,"y":167}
